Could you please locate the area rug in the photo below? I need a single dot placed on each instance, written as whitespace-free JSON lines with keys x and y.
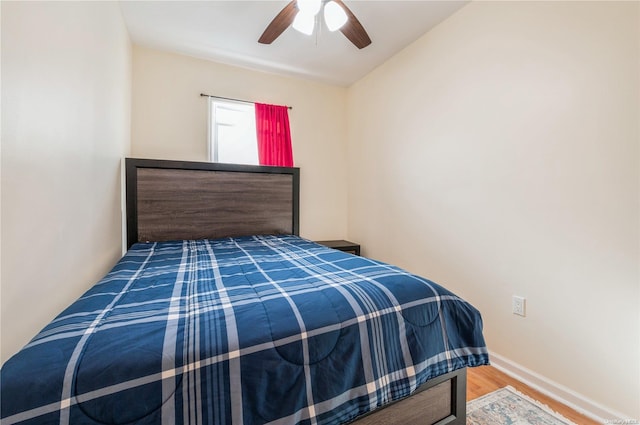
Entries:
{"x":507,"y":406}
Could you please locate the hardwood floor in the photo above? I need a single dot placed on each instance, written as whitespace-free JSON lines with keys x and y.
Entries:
{"x":484,"y":379}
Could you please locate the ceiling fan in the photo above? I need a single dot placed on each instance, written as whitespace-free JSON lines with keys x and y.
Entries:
{"x":301,"y":14}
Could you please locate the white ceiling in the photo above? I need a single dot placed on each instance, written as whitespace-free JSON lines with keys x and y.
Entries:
{"x":227,"y":32}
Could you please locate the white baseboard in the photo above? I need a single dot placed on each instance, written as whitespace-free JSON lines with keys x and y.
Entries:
{"x":556,"y":391}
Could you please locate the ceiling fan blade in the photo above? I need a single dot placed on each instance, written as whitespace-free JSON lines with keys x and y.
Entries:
{"x":281,"y":22}
{"x":353,"y":29}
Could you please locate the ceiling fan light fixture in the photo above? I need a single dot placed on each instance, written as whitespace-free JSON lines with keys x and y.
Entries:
{"x":304,"y":22}
{"x":293,"y":14}
{"x":310,"y":7}
{"x":334,"y":16}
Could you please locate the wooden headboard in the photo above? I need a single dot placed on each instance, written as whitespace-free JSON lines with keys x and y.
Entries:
{"x":175,"y":200}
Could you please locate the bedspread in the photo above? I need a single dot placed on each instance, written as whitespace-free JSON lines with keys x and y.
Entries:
{"x":253,"y":330}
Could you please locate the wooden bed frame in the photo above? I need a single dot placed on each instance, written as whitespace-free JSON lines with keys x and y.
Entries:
{"x":175,"y":200}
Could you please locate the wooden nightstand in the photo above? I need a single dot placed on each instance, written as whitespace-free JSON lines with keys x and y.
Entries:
{"x":346,"y":246}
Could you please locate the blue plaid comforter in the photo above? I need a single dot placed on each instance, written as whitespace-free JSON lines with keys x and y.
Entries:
{"x":252,"y":330}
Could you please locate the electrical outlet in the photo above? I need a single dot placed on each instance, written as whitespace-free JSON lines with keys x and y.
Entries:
{"x":518,"y":305}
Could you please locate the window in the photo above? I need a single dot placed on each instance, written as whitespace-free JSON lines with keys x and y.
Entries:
{"x":247,"y":133}
{"x":232,"y":132}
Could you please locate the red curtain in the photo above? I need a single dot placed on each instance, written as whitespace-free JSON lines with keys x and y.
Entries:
{"x":274,"y":138}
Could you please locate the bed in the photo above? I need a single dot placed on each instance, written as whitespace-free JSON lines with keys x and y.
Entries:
{"x":220,"y":313}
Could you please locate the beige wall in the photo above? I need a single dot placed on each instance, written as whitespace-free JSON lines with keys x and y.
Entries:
{"x":498,"y":155}
{"x":66,"y":96}
{"x":169,"y":121}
